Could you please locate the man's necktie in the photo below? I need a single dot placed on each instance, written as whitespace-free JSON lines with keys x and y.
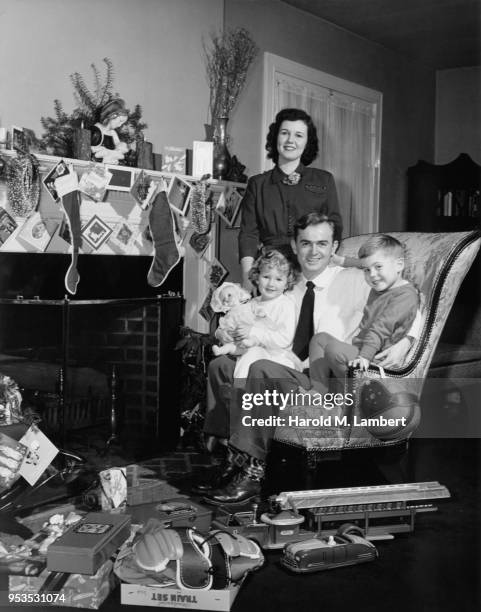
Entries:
{"x":305,"y":325}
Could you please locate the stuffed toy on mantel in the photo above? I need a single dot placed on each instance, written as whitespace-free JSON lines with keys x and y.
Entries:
{"x":106,"y":144}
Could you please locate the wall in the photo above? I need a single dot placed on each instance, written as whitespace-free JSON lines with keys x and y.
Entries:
{"x":155,"y":46}
{"x":458,"y":114}
{"x":408,"y":90}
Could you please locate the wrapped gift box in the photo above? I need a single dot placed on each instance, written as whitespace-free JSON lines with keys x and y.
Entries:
{"x":36,"y":520}
{"x":88,"y":543}
{"x":23,"y":566}
{"x":177,"y":512}
{"x":113,"y":488}
{"x":79,"y":591}
{"x":166,"y":597}
{"x":147,"y":490}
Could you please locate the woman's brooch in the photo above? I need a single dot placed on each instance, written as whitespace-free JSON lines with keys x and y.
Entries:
{"x":292,"y":179}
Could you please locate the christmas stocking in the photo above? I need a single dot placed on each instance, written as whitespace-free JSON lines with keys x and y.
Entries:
{"x":166,"y":252}
{"x":67,"y":189}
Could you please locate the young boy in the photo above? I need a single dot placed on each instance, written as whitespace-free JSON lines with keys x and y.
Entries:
{"x":388,"y":315}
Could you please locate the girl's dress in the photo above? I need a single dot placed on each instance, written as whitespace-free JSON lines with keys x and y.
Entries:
{"x":273,"y":326}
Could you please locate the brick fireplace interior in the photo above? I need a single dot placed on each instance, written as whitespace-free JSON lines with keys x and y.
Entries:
{"x":116,"y":321}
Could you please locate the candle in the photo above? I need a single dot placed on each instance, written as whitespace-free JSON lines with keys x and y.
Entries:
{"x":81,"y":143}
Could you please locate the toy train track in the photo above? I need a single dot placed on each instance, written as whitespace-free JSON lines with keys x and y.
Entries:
{"x":350,"y":497}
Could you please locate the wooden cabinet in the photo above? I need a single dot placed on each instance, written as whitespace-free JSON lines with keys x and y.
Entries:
{"x":444,"y":198}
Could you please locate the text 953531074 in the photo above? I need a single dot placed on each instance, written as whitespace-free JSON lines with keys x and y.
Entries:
{"x":35,"y":598}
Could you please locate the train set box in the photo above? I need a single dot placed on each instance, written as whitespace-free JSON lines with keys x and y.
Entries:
{"x":220,"y":600}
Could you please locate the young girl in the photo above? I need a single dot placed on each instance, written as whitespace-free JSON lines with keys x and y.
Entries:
{"x":268,"y":321}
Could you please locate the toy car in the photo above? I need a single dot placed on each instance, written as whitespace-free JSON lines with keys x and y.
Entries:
{"x":347,"y":547}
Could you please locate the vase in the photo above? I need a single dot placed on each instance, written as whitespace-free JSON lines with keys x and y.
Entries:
{"x":221,"y":154}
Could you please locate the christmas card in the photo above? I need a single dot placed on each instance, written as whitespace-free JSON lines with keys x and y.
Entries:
{"x":174,"y":160}
{"x":60,"y":169}
{"x":93,"y":183}
{"x":7,"y":225}
{"x":144,"y":189}
{"x":216,"y":273}
{"x":122,"y":238}
{"x":200,"y":242}
{"x":95,"y":232}
{"x":228,"y":206}
{"x":37,"y":232}
{"x":40,"y":454}
{"x":179,"y":195}
{"x":202,"y":158}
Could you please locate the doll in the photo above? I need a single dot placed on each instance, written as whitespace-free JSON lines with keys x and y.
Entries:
{"x":106,"y":144}
{"x":238,"y":308}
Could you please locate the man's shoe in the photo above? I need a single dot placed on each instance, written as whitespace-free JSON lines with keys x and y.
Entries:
{"x":221,"y":475}
{"x":246,"y":485}
{"x":213,"y":444}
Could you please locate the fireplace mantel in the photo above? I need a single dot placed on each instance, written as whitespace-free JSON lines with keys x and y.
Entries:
{"x":117,"y":208}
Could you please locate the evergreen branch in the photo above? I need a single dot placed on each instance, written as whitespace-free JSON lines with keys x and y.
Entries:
{"x":87,"y":100}
{"x":97,"y":81}
{"x":106,"y":94}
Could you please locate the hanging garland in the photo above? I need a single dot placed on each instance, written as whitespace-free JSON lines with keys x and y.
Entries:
{"x":23,"y":184}
{"x":200,"y":216}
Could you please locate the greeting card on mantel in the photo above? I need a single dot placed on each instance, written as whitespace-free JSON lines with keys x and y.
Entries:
{"x":202,"y":158}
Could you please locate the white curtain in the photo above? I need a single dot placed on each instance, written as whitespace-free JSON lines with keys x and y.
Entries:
{"x":346,"y":131}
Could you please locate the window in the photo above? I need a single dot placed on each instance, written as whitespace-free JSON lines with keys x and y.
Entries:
{"x":348,"y":121}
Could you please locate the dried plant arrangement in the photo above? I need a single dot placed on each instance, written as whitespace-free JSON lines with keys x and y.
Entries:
{"x":228,"y":58}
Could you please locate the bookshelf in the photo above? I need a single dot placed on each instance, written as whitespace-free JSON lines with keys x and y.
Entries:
{"x":443,"y":198}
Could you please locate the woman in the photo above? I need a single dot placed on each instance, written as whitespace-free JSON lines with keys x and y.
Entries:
{"x":275,"y":199}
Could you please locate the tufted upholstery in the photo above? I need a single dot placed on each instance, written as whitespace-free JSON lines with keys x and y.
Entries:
{"x":436,"y":263}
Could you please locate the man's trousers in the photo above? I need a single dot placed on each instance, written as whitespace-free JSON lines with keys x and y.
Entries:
{"x":225,"y":415}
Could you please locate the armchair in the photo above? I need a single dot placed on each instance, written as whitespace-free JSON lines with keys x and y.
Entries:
{"x":436,"y":264}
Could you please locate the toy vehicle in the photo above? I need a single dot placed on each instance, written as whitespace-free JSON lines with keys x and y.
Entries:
{"x":271,"y":532}
{"x":347,"y":547}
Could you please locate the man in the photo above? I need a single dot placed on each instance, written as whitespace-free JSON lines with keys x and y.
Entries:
{"x":339,"y":296}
